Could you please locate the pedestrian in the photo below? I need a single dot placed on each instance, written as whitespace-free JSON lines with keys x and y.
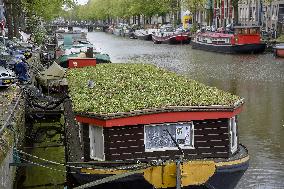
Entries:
{"x":21,"y":70}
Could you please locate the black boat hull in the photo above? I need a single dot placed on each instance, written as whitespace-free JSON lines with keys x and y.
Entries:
{"x":226,"y":176}
{"x":147,"y":37}
{"x":231,"y":49}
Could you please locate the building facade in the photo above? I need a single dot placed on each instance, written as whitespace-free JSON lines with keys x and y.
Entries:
{"x":249,"y":12}
{"x":270,"y":16}
{"x":223,"y":13}
{"x":273,"y":16}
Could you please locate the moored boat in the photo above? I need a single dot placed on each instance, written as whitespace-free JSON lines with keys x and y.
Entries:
{"x":80,"y":49}
{"x":146,"y":127}
{"x":143,"y":35}
{"x":279,"y":50}
{"x":180,"y":38}
{"x":169,"y":35}
{"x":245,"y":39}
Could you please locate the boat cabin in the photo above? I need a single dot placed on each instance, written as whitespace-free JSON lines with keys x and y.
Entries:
{"x":215,"y":38}
{"x":145,"y":137}
{"x":247,"y":35}
{"x":205,"y":131}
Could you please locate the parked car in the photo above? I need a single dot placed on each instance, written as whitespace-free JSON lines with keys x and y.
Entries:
{"x":7,"y":77}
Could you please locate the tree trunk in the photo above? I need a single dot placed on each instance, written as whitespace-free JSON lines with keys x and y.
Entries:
{"x":139,"y":20}
{"x":209,"y":16}
{"x":163,"y":19}
{"x":179,"y":12}
{"x":9,"y":19}
{"x":16,"y":14}
{"x":235,"y":9}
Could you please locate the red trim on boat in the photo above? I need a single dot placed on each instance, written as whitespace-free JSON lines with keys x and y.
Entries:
{"x":280,"y":52}
{"x":165,"y":117}
{"x":81,"y":62}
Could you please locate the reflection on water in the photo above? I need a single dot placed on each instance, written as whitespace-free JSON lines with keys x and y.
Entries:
{"x":257,"y":78}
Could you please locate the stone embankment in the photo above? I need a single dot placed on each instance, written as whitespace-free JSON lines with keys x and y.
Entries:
{"x":12,"y":129}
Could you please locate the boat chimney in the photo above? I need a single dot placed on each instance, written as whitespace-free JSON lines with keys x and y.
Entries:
{"x":90,"y":52}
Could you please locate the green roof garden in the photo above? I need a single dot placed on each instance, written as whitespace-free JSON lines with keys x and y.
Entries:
{"x":122,"y":87}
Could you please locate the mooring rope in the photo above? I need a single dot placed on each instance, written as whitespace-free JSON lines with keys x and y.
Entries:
{"x":53,"y":169}
{"x":39,"y":164}
{"x":111,"y":178}
{"x":46,"y":160}
{"x":128,"y":167}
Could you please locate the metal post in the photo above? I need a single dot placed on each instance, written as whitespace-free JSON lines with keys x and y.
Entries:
{"x":178,"y":173}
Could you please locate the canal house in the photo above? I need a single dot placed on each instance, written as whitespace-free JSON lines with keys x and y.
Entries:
{"x":168,"y":130}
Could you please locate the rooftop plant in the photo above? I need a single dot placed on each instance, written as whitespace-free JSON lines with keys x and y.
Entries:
{"x":127,"y":87}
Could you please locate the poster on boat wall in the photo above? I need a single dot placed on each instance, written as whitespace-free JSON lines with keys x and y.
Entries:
{"x":183,"y":135}
{"x":157,"y":138}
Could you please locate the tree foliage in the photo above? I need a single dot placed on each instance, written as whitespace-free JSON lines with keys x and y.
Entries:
{"x":194,"y":5}
{"x":105,"y":9}
{"x":46,"y":9}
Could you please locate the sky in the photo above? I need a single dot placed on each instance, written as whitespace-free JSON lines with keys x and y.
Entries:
{"x":81,"y":2}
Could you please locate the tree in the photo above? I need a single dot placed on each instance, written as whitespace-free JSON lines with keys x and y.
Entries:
{"x":16,"y":11}
{"x":125,"y":9}
{"x":235,"y":7}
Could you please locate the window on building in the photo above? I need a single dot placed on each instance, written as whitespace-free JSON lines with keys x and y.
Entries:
{"x":96,"y":142}
{"x":156,"y":137}
{"x":233,"y":134}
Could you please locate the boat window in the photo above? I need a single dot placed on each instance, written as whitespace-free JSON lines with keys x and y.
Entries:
{"x":233,"y":134}
{"x":245,"y":31}
{"x":156,"y":137}
{"x":253,"y":31}
{"x":96,"y":136}
{"x":238,"y":31}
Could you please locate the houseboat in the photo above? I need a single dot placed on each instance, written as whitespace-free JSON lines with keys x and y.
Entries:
{"x":138,"y":126}
{"x":169,"y":35}
{"x":244,"y":39}
{"x":279,"y":50}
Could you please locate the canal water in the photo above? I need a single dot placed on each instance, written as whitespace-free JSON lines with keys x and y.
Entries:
{"x":257,"y":78}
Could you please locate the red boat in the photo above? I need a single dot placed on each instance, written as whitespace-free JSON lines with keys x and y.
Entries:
{"x":169,"y":35}
{"x":180,"y":38}
{"x":244,"y":40}
{"x":279,"y":50}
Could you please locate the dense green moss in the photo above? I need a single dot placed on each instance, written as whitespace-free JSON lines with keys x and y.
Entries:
{"x":128,"y":87}
{"x":280,"y":39}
